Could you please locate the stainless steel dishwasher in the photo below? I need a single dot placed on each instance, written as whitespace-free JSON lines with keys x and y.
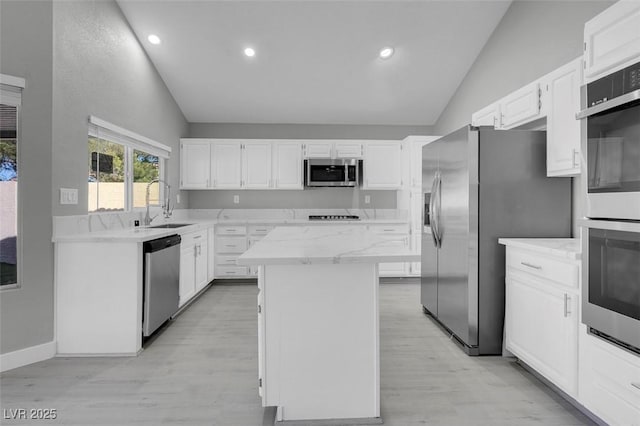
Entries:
{"x":161,"y":281}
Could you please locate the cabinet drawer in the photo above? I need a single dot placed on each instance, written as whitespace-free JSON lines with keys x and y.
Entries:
{"x":609,"y":381}
{"x":231,"y":230}
{"x":231,"y":271}
{"x":389,"y":229}
{"x":260,"y":229}
{"x":227,"y":260}
{"x":193,"y":238}
{"x":555,"y":270}
{"x":231,"y":244}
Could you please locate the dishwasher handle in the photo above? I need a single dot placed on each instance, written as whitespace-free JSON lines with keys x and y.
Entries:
{"x":161,"y":243}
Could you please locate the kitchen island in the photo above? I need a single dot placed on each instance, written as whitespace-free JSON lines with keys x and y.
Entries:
{"x":318,"y":334}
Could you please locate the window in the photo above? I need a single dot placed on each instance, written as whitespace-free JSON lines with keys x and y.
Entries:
{"x":10,"y":101}
{"x":122,"y":166}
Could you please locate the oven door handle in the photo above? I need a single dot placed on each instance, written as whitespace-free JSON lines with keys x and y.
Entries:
{"x":615,"y":102}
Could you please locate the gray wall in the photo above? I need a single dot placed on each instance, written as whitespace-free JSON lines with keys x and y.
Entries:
{"x":100,"y":69}
{"x":25,"y":45}
{"x":533,"y":38}
{"x":79,"y":58}
{"x":304,"y":131}
{"x":303,"y":199}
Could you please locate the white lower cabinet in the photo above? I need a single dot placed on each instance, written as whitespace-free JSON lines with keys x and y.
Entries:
{"x":230,"y":242}
{"x":398,"y":234}
{"x":609,"y":381}
{"x":542,"y":315}
{"x":194,"y":264}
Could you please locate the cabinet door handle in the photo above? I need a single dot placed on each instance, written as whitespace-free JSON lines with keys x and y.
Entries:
{"x":575,"y":158}
{"x":530,"y":265}
{"x":567,"y":305}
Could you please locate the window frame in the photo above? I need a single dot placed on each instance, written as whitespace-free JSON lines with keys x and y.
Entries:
{"x":11,"y":89}
{"x":131,"y":142}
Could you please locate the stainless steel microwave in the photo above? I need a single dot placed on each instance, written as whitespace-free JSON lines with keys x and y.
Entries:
{"x":332,"y":172}
{"x":611,"y":281}
{"x":611,"y":141}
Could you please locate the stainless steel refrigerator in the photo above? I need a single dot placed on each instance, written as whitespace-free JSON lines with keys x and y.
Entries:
{"x":479,"y":185}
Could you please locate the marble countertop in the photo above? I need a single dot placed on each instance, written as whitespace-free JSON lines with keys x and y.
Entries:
{"x":326,"y":244}
{"x":134,"y":235}
{"x":569,"y":248}
{"x":119,"y":228}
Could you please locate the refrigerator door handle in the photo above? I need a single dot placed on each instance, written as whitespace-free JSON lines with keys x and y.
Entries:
{"x":432,"y":208}
{"x":436,"y":209}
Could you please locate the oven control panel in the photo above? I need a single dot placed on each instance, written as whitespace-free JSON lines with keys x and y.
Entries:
{"x":617,"y":84}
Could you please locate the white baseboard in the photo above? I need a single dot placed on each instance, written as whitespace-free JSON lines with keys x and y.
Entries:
{"x":27,"y":356}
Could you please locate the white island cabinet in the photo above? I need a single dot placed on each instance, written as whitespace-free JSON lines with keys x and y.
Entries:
{"x":318,"y":334}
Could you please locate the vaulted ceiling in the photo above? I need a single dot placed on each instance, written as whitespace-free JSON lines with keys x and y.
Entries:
{"x":315,"y":61}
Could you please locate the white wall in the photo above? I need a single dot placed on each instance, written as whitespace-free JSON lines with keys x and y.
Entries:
{"x":100,"y":69}
{"x":79,"y":58}
{"x":533,"y":38}
{"x":308,"y":198}
{"x":26,"y":313}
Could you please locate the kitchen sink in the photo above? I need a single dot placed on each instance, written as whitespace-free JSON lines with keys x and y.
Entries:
{"x":171,"y":225}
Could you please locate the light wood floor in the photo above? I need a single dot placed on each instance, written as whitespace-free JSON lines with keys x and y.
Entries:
{"x":202,"y":370}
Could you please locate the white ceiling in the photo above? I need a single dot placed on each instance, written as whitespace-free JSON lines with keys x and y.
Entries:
{"x":316,"y":61}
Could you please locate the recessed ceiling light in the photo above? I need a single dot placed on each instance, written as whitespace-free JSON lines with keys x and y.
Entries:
{"x":386,"y":52}
{"x":153,"y":39}
{"x":249,"y":52}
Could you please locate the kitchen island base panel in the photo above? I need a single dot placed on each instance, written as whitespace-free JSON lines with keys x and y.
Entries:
{"x":321,"y":344}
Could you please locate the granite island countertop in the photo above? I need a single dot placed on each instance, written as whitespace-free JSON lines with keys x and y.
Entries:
{"x":329,"y":244}
{"x":568,"y":248}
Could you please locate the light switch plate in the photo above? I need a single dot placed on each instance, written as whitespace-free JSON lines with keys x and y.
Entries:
{"x":367,"y":199}
{"x":68,"y":196}
{"x":236,"y":199}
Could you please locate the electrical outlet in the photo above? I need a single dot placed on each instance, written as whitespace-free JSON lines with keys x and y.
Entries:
{"x":236,"y":199}
{"x":68,"y":196}
{"x":177,"y":198}
{"x":367,"y":199}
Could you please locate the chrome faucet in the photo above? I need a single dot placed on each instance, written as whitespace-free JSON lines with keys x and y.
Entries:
{"x":166,"y":207}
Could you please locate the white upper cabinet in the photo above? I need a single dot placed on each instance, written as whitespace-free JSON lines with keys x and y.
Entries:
{"x":287,"y":165}
{"x":256,"y":165}
{"x":562,"y":87}
{"x":322,"y":149}
{"x":612,"y":40}
{"x":226,"y":164}
{"x":487,"y":116}
{"x":382,"y":165}
{"x":347,"y":150}
{"x":240,"y":164}
{"x":555,"y":96}
{"x":333,"y":149}
{"x":194,"y":164}
{"x":522,"y":106}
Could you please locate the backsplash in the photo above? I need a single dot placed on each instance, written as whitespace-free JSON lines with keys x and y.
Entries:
{"x":310,"y":198}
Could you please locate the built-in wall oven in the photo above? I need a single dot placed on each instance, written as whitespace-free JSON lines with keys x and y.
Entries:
{"x":611,"y":281}
{"x":611,"y":230}
{"x":612,"y":120}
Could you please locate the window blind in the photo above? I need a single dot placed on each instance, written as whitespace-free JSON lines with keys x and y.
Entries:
{"x":103,"y":129}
